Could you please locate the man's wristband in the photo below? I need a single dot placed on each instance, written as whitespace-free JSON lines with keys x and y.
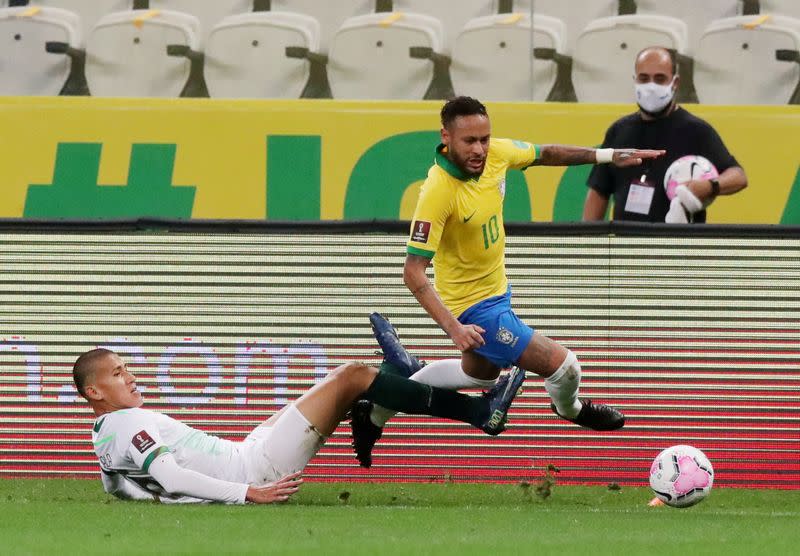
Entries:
{"x":714,"y":187}
{"x":604,"y":156}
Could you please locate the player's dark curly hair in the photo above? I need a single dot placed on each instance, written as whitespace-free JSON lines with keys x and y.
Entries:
{"x":83,"y":370}
{"x":461,"y":106}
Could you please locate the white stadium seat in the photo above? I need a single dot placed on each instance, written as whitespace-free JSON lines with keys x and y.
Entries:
{"x":696,"y":14}
{"x":25,"y":66}
{"x":576,"y":14}
{"x":736,"y":60}
{"x":209,"y":12}
{"x":90,"y":11}
{"x":493,"y":56}
{"x":789,"y":8}
{"x":452,"y":16}
{"x":126,"y":53}
{"x":331,"y":14}
{"x":246,"y":55}
{"x":605,"y":53}
{"x":369,"y":56}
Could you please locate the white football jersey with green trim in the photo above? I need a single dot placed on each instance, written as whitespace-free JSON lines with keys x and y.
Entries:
{"x":127,"y":441}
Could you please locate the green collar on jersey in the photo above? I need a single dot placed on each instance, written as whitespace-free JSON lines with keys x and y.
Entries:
{"x":98,"y":424}
{"x":450,"y":167}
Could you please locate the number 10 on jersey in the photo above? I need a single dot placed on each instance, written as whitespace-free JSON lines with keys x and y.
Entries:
{"x":491,"y":232}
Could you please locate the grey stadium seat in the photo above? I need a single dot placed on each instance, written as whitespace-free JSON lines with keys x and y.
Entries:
{"x":127,"y":53}
{"x":604,"y":55}
{"x":209,"y":12}
{"x":696,"y":15}
{"x":738,"y":62}
{"x":576,"y":14}
{"x":26,"y":67}
{"x":370,"y":56}
{"x":246,"y":55}
{"x":331,"y":14}
{"x":493,"y":57}
{"x":452,"y":16}
{"x":789,"y":8}
{"x":90,"y":11}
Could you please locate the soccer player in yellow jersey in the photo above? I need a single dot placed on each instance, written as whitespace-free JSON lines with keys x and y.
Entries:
{"x":458,"y":224}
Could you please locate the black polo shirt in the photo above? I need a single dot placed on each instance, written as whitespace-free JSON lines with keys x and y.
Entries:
{"x":680,"y":134}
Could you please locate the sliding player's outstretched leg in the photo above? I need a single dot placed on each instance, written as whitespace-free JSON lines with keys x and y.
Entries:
{"x":396,"y":359}
{"x":365,"y":432}
{"x":487,"y":412}
{"x":394,"y":352}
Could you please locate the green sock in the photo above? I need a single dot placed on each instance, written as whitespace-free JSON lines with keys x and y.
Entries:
{"x":389,"y":368}
{"x":400,"y":394}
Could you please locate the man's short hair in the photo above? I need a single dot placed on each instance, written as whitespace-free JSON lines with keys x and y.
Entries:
{"x":671,"y":52}
{"x":461,"y":106}
{"x":83,"y":370}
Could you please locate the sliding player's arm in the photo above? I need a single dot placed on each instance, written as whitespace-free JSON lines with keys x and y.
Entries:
{"x":177,"y":480}
{"x":119,"y":486}
{"x":464,"y":337}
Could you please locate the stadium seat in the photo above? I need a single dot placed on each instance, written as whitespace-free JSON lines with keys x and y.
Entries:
{"x":209,"y":12}
{"x":789,"y":8}
{"x":696,"y":15}
{"x":749,"y":60}
{"x":27,"y":68}
{"x":576,"y":14}
{"x":127,"y":53}
{"x":90,"y":11}
{"x":387,"y":56}
{"x":452,"y":18}
{"x":331,"y":14}
{"x":492,"y":57}
{"x":604,"y":54}
{"x":246,"y":55}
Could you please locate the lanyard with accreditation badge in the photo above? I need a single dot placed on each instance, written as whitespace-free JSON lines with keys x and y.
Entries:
{"x":640,"y":196}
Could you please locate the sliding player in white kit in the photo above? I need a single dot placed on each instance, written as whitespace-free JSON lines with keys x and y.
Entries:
{"x":145,"y":455}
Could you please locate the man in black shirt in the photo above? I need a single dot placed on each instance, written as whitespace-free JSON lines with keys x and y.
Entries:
{"x":638,"y":192}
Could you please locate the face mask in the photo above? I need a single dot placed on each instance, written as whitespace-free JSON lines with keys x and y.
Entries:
{"x":653,"y":98}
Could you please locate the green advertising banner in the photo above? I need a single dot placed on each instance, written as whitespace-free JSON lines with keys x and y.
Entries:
{"x":94,"y":158}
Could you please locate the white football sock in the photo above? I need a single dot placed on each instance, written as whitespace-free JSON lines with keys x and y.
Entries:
{"x":563,"y":385}
{"x":446,"y":373}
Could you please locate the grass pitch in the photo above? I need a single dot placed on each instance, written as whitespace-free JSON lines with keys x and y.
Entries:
{"x":76,"y":517}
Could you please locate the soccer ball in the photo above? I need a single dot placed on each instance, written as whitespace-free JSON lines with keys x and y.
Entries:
{"x":681,"y":476}
{"x":685,"y":169}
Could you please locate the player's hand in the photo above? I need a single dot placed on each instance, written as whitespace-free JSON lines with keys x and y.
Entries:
{"x":467,"y":337}
{"x":624,"y":158}
{"x":279,"y":491}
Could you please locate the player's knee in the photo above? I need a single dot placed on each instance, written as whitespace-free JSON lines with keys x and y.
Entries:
{"x":352,"y":370}
{"x":354,"y":377}
{"x":571,"y":366}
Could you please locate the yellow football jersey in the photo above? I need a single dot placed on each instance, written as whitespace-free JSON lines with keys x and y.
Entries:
{"x":458,"y":223}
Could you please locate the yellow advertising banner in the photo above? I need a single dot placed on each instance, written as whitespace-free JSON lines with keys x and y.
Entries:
{"x":96,"y":158}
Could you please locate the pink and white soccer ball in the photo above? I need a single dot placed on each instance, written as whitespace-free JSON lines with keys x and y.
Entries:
{"x":681,"y":476}
{"x":685,"y":169}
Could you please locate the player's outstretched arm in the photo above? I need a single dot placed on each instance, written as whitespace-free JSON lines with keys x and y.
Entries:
{"x":178,"y":480}
{"x":568,"y":155}
{"x":279,"y":491}
{"x":116,"y":484}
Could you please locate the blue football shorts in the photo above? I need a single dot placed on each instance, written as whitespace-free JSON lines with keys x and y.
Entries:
{"x":506,"y":336}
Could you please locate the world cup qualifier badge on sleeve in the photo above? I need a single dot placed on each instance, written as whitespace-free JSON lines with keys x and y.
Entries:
{"x":142,"y":441}
{"x":421,"y":231}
